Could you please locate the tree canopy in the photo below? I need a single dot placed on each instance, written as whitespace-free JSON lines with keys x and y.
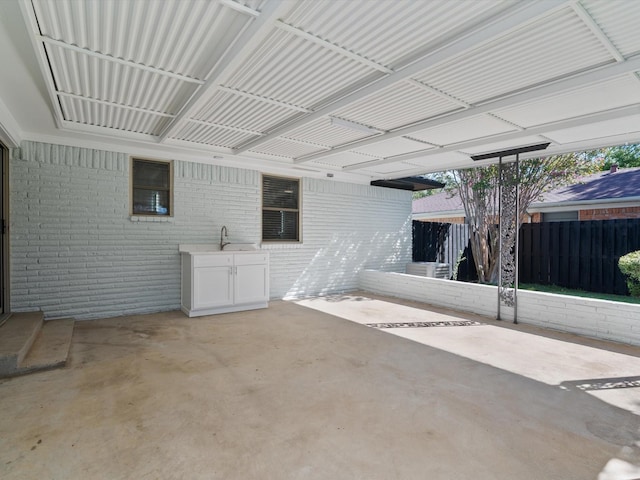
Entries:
{"x":624,"y":156}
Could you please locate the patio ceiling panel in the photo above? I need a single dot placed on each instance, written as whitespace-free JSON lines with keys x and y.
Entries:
{"x":607,"y":95}
{"x":287,"y":149}
{"x":87,"y":76}
{"x":396,"y":106}
{"x":390,"y":32}
{"x":520,"y":59}
{"x":241,"y":112}
{"x":172,"y":35}
{"x":293,"y":70}
{"x":79,"y":110}
{"x":210,"y":135}
{"x":325,"y":133}
{"x":619,"y":24}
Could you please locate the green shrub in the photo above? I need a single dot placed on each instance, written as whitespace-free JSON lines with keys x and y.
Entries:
{"x":630,"y":266}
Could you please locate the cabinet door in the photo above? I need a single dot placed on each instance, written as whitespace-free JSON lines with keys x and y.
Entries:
{"x":251,"y":284}
{"x":212,"y":287}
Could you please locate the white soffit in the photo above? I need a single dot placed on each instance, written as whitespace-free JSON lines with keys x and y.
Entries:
{"x":626,"y":125}
{"x":581,"y":101}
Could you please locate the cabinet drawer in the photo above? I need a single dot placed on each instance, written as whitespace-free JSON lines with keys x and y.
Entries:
{"x":216,"y":260}
{"x":252,"y":259}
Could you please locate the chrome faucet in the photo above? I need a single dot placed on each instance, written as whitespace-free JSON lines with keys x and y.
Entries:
{"x":223,"y":235}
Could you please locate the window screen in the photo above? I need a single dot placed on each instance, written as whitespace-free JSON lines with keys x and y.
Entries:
{"x":280,"y":209}
{"x":151,"y":187}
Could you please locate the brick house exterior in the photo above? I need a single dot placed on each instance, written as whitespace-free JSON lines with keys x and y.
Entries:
{"x":607,"y":195}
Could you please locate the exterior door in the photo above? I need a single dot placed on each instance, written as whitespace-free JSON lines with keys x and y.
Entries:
{"x":4,"y":234}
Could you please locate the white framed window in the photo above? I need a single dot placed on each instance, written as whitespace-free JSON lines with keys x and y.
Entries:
{"x":151,"y":187}
{"x":280,"y":209}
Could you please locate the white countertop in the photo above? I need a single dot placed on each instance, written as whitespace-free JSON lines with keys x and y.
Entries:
{"x":214,"y":248}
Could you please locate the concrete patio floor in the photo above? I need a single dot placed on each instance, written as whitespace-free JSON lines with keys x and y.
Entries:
{"x":293,"y":392}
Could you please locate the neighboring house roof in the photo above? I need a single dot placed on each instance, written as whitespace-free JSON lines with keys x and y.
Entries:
{"x":600,"y":186}
{"x":622,"y":186}
{"x":438,"y":202}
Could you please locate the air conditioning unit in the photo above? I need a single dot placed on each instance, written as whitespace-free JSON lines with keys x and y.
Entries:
{"x":429,"y":269}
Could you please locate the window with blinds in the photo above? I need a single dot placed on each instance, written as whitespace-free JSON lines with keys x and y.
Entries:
{"x":150,"y":187}
{"x":280,"y":209}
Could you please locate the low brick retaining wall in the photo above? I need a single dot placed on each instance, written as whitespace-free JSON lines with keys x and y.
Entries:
{"x":603,"y":319}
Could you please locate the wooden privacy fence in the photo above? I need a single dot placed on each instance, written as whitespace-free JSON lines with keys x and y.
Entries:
{"x":577,"y":255}
{"x":580,"y":255}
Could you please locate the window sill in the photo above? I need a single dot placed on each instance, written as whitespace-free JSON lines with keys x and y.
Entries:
{"x":280,"y":245}
{"x":151,"y":218}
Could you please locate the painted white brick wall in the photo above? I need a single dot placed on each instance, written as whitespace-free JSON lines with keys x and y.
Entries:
{"x":76,"y":252}
{"x":466,"y":297}
{"x":345,"y":228}
{"x":615,"y":321}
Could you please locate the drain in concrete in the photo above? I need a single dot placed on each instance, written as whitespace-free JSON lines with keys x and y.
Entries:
{"x":450,"y":323}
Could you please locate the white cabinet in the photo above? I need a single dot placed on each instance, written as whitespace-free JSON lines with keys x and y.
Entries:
{"x":219,"y":282}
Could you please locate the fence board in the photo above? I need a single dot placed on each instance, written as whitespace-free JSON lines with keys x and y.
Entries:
{"x":574,"y":255}
{"x":525,"y":244}
{"x":544,"y":250}
{"x":585,"y":253}
{"x":564,"y":259}
{"x":597,"y":254}
{"x":609,"y":267}
{"x":554,"y":253}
